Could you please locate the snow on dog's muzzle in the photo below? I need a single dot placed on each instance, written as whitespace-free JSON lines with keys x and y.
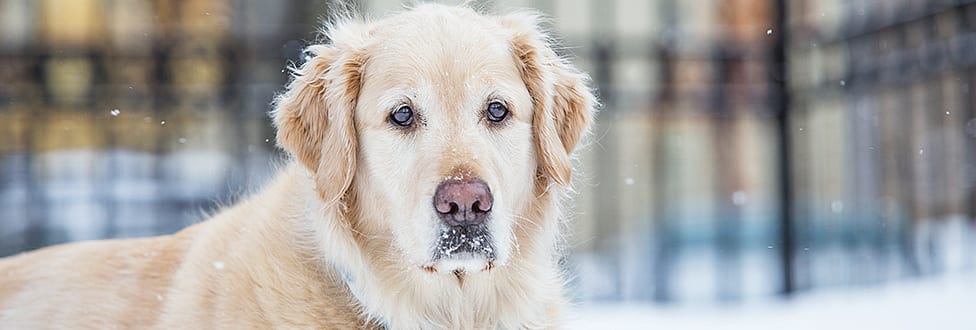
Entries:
{"x":463,"y":205}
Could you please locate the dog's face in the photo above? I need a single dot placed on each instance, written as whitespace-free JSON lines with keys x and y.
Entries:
{"x":444,"y":124}
{"x":445,"y":139}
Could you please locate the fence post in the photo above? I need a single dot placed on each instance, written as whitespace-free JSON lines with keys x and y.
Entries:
{"x":779,"y":94}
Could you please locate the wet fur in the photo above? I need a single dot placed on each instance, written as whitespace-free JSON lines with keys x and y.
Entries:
{"x":308,"y":251}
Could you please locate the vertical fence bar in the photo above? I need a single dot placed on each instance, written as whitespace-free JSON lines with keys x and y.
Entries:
{"x":779,"y":94}
{"x":725,"y":148}
{"x":665,"y":248}
{"x":608,"y":202}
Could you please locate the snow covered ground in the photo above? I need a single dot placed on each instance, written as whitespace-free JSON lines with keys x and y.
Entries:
{"x":943,"y":302}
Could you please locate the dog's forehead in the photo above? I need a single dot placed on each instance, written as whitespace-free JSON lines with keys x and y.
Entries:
{"x":438,"y":24}
{"x":444,"y":62}
{"x":440,"y":45}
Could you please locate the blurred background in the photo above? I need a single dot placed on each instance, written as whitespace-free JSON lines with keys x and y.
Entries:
{"x":748,"y":151}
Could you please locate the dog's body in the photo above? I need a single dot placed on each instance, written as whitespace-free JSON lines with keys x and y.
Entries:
{"x":242,"y":267}
{"x":346,"y":236}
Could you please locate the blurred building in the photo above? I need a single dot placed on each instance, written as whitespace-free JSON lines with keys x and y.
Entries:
{"x":132,"y":118}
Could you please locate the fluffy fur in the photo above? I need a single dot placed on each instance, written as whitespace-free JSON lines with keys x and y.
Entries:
{"x":343,"y":236}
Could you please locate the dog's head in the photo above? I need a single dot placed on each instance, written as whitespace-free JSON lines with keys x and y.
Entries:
{"x":440,"y":126}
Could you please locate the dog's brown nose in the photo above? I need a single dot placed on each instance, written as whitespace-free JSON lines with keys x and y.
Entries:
{"x":464,"y":202}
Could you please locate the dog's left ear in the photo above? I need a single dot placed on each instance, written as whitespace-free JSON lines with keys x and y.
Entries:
{"x":562,"y":103}
{"x":314,"y":117}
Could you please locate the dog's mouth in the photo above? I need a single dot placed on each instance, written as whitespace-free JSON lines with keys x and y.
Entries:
{"x":463,"y":249}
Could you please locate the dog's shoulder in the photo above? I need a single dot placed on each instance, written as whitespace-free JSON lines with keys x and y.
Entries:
{"x":38,"y":285}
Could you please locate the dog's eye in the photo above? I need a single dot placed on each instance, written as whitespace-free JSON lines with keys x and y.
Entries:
{"x":496,"y":112}
{"x":402,"y":116}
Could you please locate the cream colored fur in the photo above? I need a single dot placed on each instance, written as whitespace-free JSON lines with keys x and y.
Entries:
{"x":342,"y":237}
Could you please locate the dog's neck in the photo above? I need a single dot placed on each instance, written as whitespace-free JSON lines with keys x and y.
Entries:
{"x":526,"y":292}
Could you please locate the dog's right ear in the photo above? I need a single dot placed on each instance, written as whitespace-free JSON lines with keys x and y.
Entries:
{"x":314,"y":117}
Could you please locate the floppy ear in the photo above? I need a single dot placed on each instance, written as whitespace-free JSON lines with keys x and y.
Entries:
{"x":562,"y":103}
{"x":314,"y":118}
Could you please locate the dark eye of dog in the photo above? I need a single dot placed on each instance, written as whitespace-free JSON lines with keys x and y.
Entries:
{"x":402,"y":116}
{"x":496,"y":112}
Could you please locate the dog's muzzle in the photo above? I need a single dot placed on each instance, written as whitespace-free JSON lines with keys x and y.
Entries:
{"x":466,"y":241}
{"x":463,"y":206}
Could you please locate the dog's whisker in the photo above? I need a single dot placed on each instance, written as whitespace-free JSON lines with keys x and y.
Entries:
{"x":528,"y":221}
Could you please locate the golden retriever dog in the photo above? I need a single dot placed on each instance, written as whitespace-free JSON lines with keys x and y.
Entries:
{"x":432,"y":151}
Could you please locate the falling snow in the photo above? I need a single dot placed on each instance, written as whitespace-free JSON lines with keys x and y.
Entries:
{"x":740,"y":197}
{"x":837,"y":206}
